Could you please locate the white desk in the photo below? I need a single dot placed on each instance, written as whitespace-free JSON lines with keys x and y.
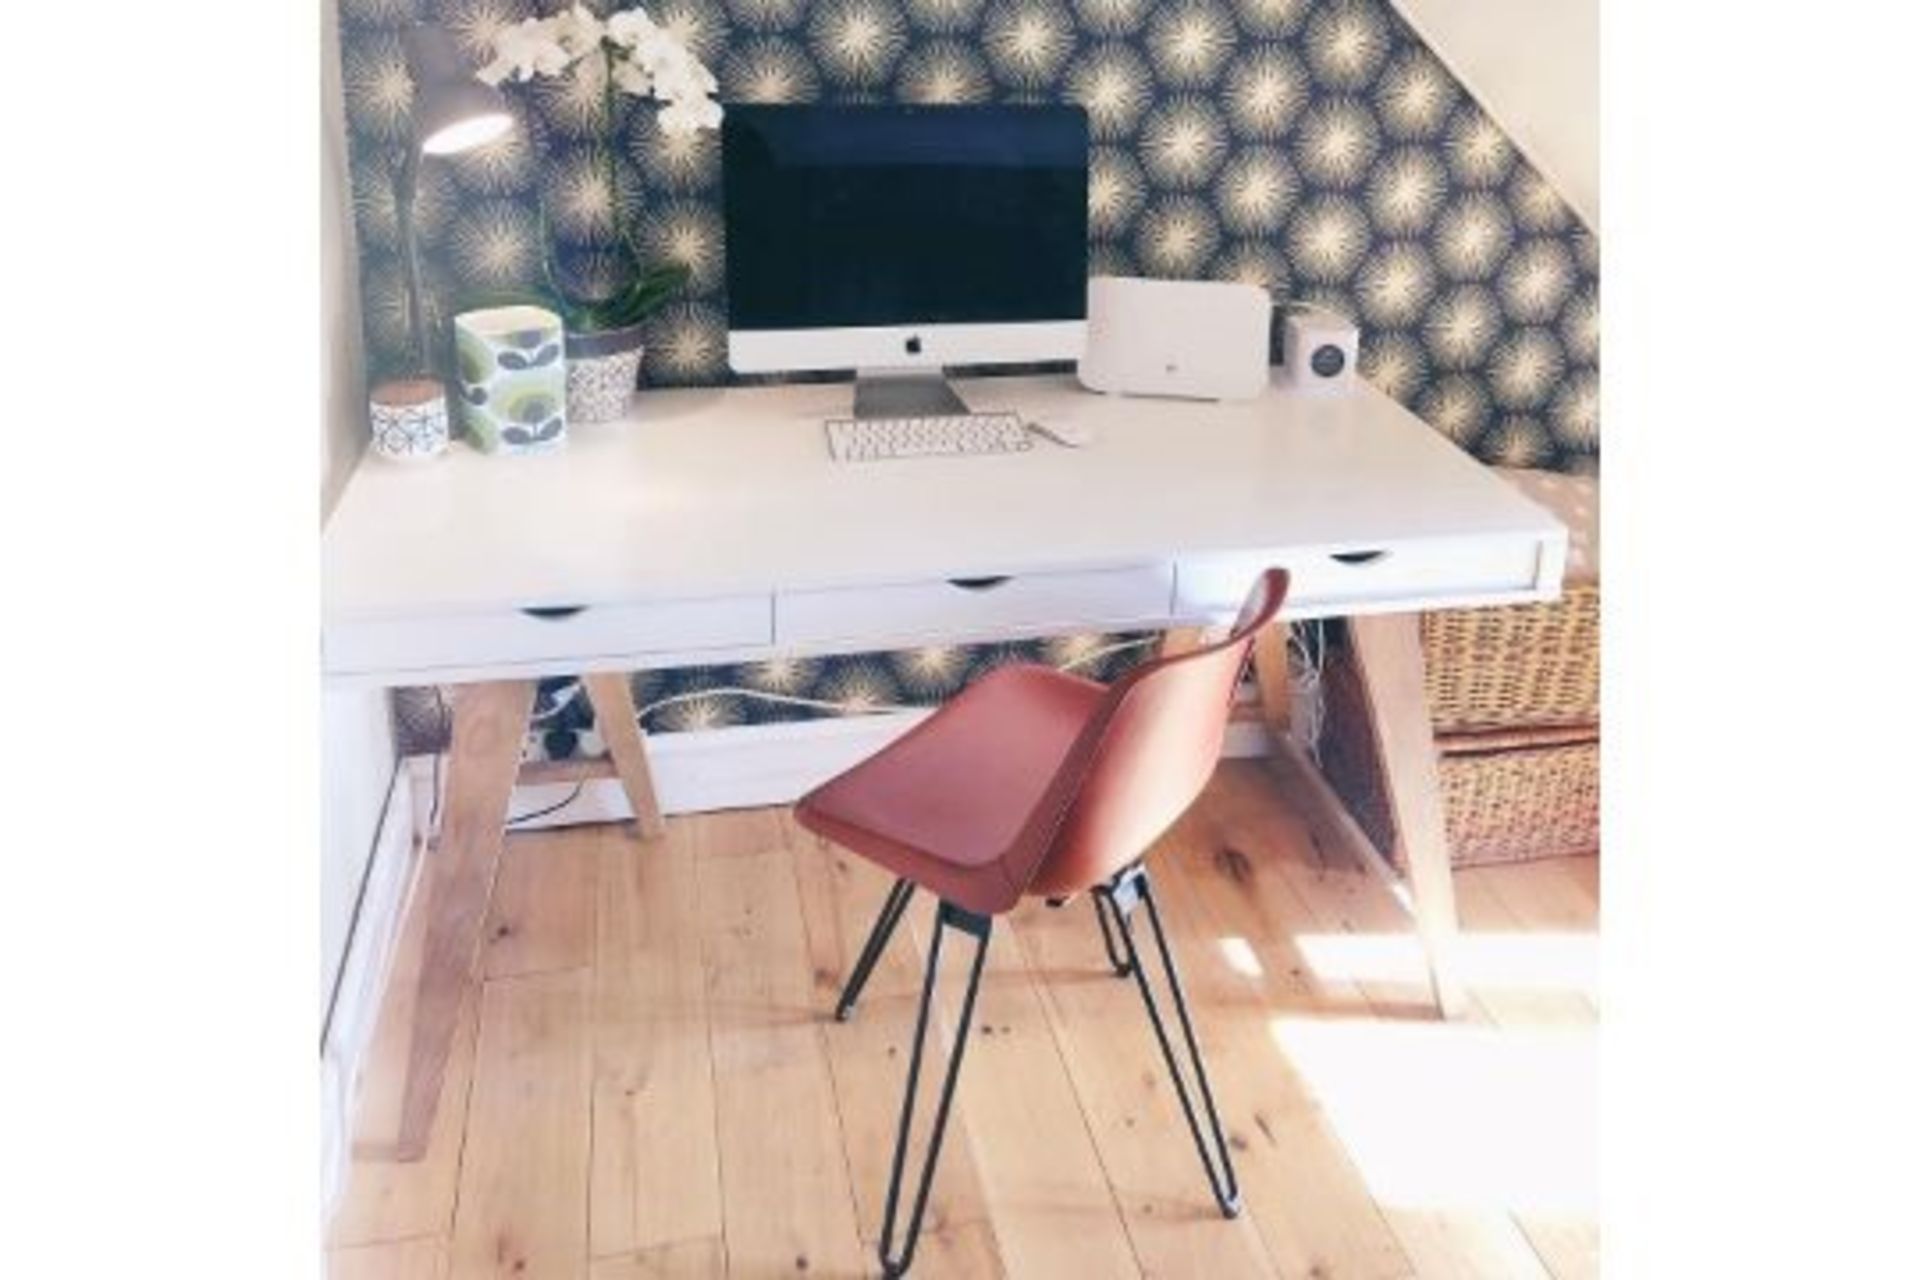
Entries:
{"x":712,"y":527}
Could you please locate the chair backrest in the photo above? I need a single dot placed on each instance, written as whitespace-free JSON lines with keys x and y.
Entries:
{"x":1143,"y":759}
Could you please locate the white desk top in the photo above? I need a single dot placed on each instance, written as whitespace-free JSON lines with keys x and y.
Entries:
{"x":709,"y":492}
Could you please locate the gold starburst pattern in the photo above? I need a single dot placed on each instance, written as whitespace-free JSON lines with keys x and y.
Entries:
{"x":1177,"y":236}
{"x":1326,"y":238}
{"x":856,"y":41}
{"x":1456,"y":407}
{"x":574,"y":104}
{"x":1345,"y":45}
{"x":1575,"y":415}
{"x":1586,"y":250}
{"x":687,"y":343}
{"x":1255,"y":191}
{"x":1461,"y":327}
{"x":1396,"y":282}
{"x":860,"y":685}
{"x":1264,"y":92}
{"x":931,"y":673}
{"x":694,"y":22}
{"x":1255,"y":262}
{"x":1183,"y":142}
{"x":1112,"y":17}
{"x":1526,"y":366}
{"x":376,"y":219}
{"x":765,"y":15}
{"x":581,"y":205}
{"x":686,"y":234}
{"x":1537,"y":207}
{"x":1416,"y":96}
{"x":1580,"y":326}
{"x":376,"y":89}
{"x":1113,"y":85}
{"x":1115,"y":190}
{"x":942,"y":16}
{"x":1473,"y":236}
{"x":1028,"y":41}
{"x":708,"y":711}
{"x":503,"y":166}
{"x":944,"y":72}
{"x":474,"y":24}
{"x":784,"y":674}
{"x":673,"y":162}
{"x":1189,"y":41}
{"x":1337,"y":142}
{"x":764,"y":69}
{"x":1535,"y":281}
{"x":376,"y":13}
{"x":1517,"y":442}
{"x":495,"y":244}
{"x":1405,"y":191}
{"x":1270,"y":18}
{"x":1478,"y":154}
{"x":1393,"y":362}
{"x":1109,"y":258}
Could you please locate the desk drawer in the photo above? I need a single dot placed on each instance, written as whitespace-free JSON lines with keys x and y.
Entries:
{"x":545,"y":636}
{"x":976,"y":608}
{"x":1440,"y":573}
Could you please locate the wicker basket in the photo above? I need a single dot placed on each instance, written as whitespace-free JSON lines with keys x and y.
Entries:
{"x":1510,"y":795}
{"x":1522,"y":666}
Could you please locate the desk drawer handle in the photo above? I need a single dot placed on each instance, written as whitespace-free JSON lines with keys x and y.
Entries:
{"x":553,"y":612}
{"x":979,"y":584}
{"x":1359,"y":557}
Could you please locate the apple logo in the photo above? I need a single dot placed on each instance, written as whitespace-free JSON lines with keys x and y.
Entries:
{"x":913,"y":345}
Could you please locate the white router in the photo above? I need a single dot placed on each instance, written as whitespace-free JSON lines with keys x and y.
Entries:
{"x":1198,"y":340}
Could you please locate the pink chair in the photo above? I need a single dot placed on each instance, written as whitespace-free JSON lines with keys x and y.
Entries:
{"x":1037,"y":783}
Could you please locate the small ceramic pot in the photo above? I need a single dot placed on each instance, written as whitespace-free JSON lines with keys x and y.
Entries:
{"x":409,"y":419}
{"x":603,"y":370}
{"x":513,"y":381}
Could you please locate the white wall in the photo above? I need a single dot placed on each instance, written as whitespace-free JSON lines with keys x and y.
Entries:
{"x":1535,"y":66}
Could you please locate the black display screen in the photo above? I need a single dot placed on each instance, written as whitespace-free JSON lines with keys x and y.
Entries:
{"x":841,"y":217}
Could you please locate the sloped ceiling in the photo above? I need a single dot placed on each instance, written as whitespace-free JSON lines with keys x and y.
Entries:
{"x":1535,"y":67}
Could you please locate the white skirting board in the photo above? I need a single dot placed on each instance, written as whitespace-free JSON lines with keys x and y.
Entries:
{"x":363,"y":979}
{"x":740,"y":767}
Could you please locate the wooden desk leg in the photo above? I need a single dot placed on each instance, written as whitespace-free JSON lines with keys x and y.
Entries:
{"x":611,"y":693}
{"x":1392,"y":672}
{"x":489,"y":724}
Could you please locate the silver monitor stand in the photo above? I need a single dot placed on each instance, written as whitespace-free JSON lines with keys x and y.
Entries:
{"x":904,"y":393}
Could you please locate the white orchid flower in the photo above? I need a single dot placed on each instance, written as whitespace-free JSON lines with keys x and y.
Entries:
{"x":578,"y":31}
{"x":630,"y":27}
{"x":633,"y":78}
{"x":648,"y":61}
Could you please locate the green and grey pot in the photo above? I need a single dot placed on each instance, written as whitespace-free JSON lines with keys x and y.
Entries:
{"x":603,"y":370}
{"x":513,"y":378}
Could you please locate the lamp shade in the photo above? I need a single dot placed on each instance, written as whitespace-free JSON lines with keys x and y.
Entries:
{"x":452,"y":110}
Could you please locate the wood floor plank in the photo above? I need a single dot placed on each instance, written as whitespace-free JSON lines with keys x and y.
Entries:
{"x":1119,"y":1075}
{"x":541,"y":918}
{"x":420,"y":1258}
{"x":1585,"y":872}
{"x":1311,"y":1203}
{"x":788,"y":1204}
{"x":522,"y":1212}
{"x":1545,"y":895}
{"x":840,"y":898}
{"x":656,"y":1162}
{"x":1040,"y":1173}
{"x":683,"y":1260}
{"x":387,"y":1197}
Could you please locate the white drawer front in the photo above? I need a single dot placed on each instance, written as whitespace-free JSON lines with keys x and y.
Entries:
{"x":521,"y":637}
{"x":1436,"y":574}
{"x":966,"y":609}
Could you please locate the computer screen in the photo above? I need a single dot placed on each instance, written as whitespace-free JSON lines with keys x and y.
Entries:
{"x":884,"y":217}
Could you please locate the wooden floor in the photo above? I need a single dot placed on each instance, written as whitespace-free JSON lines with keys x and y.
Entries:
{"x":650,"y":1083}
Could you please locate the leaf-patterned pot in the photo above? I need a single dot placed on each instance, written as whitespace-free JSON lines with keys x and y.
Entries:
{"x":513,"y":381}
{"x":409,"y":419}
{"x":603,"y":369}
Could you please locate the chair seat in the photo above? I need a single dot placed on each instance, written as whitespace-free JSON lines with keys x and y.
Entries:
{"x":945,"y":804}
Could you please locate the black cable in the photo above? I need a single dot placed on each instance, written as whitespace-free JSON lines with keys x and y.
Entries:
{"x":552,"y":808}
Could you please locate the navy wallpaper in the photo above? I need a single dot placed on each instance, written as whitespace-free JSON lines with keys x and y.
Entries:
{"x":1313,"y":146}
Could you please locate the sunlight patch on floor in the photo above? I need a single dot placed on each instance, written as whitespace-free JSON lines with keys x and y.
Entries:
{"x":1545,"y":961}
{"x":1439,"y":1116}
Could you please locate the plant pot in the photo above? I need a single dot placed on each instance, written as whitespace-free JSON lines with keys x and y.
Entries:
{"x":513,"y":382}
{"x":603,"y":371}
{"x":409,"y":419}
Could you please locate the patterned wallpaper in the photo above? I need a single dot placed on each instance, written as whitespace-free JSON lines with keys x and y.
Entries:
{"x":1313,"y":146}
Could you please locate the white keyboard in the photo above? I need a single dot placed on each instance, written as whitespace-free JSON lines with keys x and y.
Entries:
{"x":877,"y":439}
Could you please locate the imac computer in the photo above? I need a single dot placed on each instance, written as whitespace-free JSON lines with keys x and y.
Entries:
{"x":897,"y":240}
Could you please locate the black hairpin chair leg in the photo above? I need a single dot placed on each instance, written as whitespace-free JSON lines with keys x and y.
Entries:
{"x":1121,"y":966}
{"x":890,"y":913}
{"x":981,"y":927}
{"x":1122,"y":894}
